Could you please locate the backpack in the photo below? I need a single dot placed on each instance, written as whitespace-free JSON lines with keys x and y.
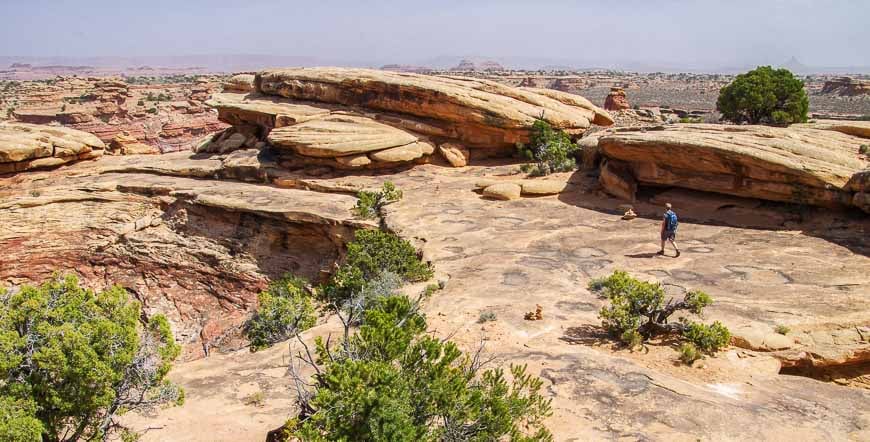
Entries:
{"x":671,"y":221}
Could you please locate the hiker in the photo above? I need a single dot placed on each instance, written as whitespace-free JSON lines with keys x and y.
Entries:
{"x":669,"y":229}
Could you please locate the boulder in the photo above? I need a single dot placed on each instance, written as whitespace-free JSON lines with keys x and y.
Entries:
{"x":542,"y":187}
{"x":339,"y":135}
{"x":240,"y":83}
{"x":616,"y":100}
{"x":797,"y":165}
{"x":503,"y":191}
{"x":124,"y":144}
{"x":403,"y":154}
{"x":26,"y":146}
{"x":455,"y":154}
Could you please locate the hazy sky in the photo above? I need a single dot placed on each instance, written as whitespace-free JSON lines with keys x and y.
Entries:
{"x":699,"y":33}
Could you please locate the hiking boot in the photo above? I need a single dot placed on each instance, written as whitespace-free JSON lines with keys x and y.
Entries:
{"x":678,"y":254}
{"x":661,"y":252}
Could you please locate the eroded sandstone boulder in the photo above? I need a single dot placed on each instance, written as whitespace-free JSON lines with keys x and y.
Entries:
{"x":616,"y":100}
{"x":359,"y":118}
{"x":796,"y":164}
{"x":26,"y":146}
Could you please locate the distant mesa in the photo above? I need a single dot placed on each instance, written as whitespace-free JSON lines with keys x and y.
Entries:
{"x":406,"y":68}
{"x":846,"y":87}
{"x":467,"y":65}
{"x":21,"y":66}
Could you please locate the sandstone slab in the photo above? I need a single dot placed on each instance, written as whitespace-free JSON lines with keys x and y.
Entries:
{"x":339,"y":135}
{"x":796,"y":165}
{"x":503,"y":191}
{"x":26,"y":146}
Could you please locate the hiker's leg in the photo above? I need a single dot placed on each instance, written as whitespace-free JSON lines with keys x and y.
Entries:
{"x":663,"y":246}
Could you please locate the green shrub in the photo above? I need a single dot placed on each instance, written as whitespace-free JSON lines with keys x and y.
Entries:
{"x":638,"y":311}
{"x":707,"y":338}
{"x":764,"y":96}
{"x":369,"y":204}
{"x":782,"y":329}
{"x":690,"y":120}
{"x":72,"y":359}
{"x":141,"y":102}
{"x":152,"y":110}
{"x":864,"y":149}
{"x":486,"y":316}
{"x":689,"y":353}
{"x":392,"y":381}
{"x":550,"y":149}
{"x":431,"y":289}
{"x":284,"y":309}
{"x":371,"y":253}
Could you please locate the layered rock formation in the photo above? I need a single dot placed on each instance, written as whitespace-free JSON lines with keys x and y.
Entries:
{"x":616,"y":100}
{"x":168,"y":117}
{"x":197,"y":250}
{"x":847,"y":86}
{"x":797,"y":165}
{"x":358,"y":118}
{"x":30,"y":146}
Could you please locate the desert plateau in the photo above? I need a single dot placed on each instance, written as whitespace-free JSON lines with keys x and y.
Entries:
{"x":335,"y":242}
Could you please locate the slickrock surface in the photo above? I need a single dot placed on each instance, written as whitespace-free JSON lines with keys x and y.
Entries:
{"x":856,"y":128}
{"x":32,"y":146}
{"x":365,"y":119}
{"x":508,"y":256}
{"x":797,"y":165}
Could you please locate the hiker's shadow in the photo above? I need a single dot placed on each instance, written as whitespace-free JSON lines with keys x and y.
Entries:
{"x":643,"y":255}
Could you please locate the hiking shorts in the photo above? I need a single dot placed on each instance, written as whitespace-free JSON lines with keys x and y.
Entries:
{"x":669,"y":235}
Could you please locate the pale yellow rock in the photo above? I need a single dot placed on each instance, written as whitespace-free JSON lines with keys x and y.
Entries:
{"x":401,"y":154}
{"x":503,"y":191}
{"x":240,"y":83}
{"x":455,"y":154}
{"x":269,"y":112}
{"x":543,"y":187}
{"x":856,"y":128}
{"x":360,"y":160}
{"x":339,"y":135}
{"x":28,"y":146}
{"x":597,"y":115}
{"x":484,"y":183}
